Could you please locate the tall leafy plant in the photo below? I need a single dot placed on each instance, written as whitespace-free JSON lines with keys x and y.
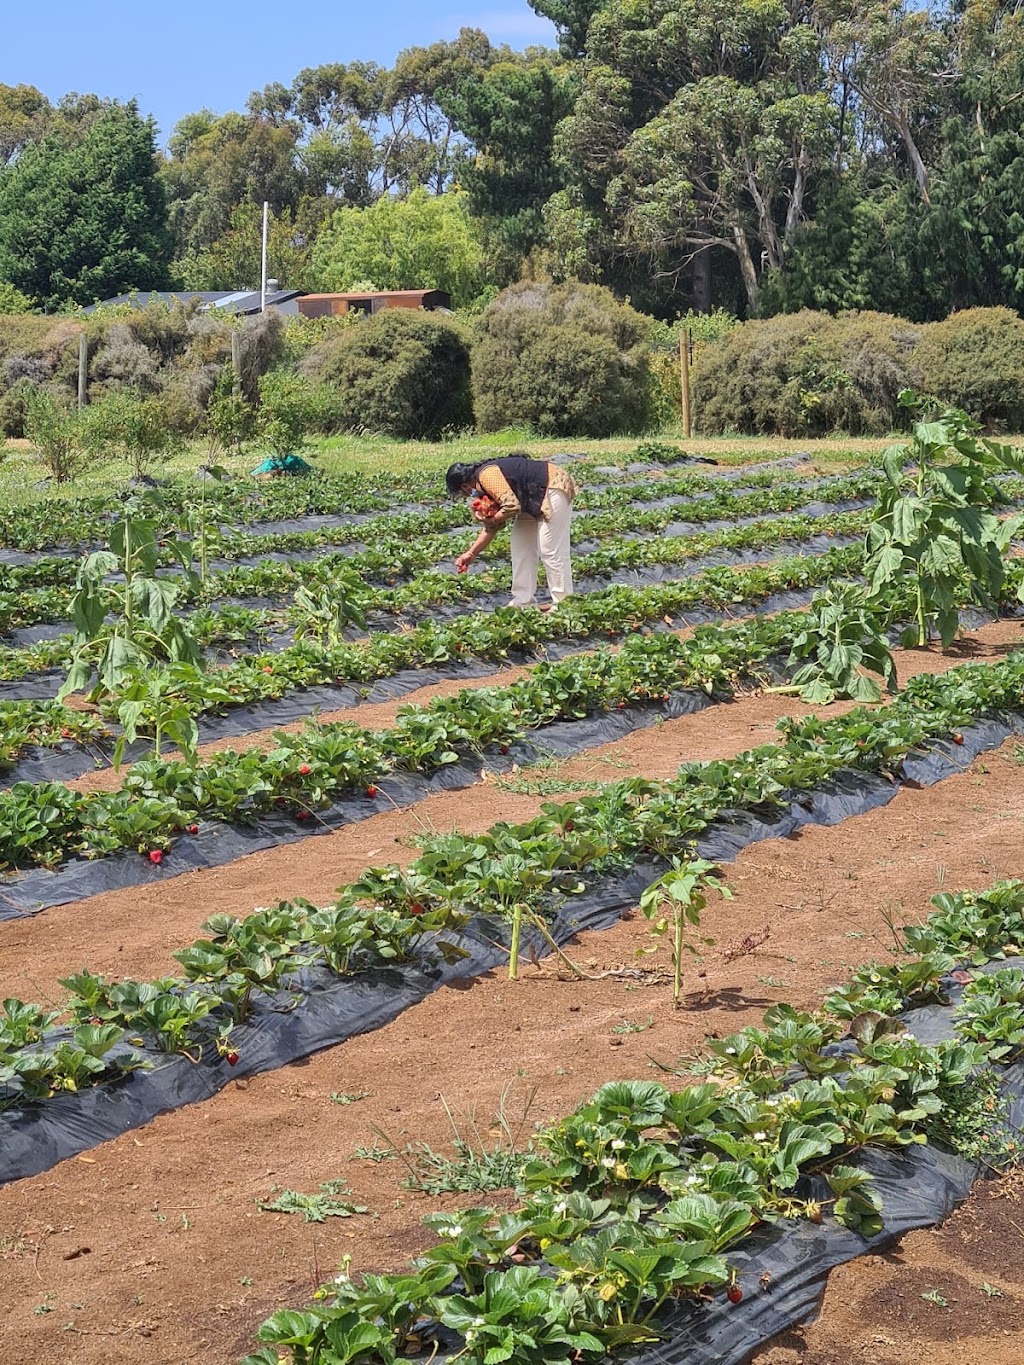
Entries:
{"x":127,"y":623}
{"x":943,"y":528}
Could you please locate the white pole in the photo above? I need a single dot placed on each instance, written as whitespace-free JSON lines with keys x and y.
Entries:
{"x":263,"y":275}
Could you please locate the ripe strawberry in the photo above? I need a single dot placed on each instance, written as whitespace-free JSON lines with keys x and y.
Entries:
{"x":415,"y":908}
{"x":305,"y":770}
{"x":734,"y":1294}
{"x":504,"y":748}
{"x":268,"y":669}
{"x":193,"y":829}
{"x":958,"y":738}
{"x":231,"y":1058}
{"x":302,"y":815}
{"x":371,"y":790}
{"x":156,"y":856}
{"x":621,"y":705}
{"x":462,"y":568}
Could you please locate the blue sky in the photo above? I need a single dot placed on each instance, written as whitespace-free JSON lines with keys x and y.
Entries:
{"x":176,"y":56}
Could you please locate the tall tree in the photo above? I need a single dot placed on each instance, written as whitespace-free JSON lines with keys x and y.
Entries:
{"x":700,"y":126}
{"x":425,"y":241}
{"x":85,"y":219}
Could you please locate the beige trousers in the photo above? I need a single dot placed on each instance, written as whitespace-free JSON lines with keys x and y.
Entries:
{"x":542,"y":542}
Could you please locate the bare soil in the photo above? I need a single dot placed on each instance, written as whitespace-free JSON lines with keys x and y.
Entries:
{"x":151,"y":1249}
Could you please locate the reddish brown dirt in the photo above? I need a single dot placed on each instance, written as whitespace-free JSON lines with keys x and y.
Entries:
{"x":875,"y":1311}
{"x":150,"y":1249}
{"x":133,"y":932}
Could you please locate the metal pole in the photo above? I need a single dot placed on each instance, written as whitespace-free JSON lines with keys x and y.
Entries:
{"x":83,"y":369}
{"x":684,"y":379}
{"x":263,"y":274}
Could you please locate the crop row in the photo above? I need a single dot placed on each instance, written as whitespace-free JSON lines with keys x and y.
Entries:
{"x":234,"y":624}
{"x":54,"y":521}
{"x":416,"y":542}
{"x":632,"y":1202}
{"x":494,"y":637}
{"x":540,"y":862}
{"x":42,"y":824}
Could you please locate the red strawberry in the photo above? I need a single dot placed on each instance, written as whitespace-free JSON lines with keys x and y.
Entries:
{"x":734,"y":1294}
{"x":462,"y":568}
{"x":621,"y":705}
{"x":231,"y":1058}
{"x":156,"y":856}
{"x":371,"y":790}
{"x":958,"y":738}
{"x":268,"y":669}
{"x":415,"y":908}
{"x":302,"y":815}
{"x":504,"y":748}
{"x":193,"y":829}
{"x":305,"y":770}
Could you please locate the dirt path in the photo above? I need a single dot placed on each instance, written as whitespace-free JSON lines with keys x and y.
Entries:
{"x":954,"y":1296}
{"x":133,"y":932}
{"x":151,"y":1248}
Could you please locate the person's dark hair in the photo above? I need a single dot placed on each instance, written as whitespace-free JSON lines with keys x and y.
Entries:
{"x":458,"y":474}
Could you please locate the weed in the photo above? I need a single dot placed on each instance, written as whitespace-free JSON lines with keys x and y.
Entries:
{"x":633,"y":1025}
{"x":315,"y":1208}
{"x":991,"y":1291}
{"x":375,"y":1154}
{"x":477,"y":1165}
{"x":935,"y":1297}
{"x":339,"y":1096}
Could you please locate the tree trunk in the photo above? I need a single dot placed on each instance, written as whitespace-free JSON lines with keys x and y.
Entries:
{"x":747,"y":269}
{"x":702,"y":279}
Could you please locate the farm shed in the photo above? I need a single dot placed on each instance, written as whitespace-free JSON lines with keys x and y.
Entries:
{"x":335,"y":305}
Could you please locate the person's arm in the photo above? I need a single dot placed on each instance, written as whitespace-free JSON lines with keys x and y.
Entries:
{"x":481,"y":543}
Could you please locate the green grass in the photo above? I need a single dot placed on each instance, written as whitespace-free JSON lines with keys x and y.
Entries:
{"x":20,"y":471}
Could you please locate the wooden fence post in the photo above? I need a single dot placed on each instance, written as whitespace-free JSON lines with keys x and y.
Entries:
{"x":684,"y":379}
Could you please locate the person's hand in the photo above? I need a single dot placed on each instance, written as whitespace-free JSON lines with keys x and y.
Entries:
{"x":492,"y":523}
{"x":463,"y":562}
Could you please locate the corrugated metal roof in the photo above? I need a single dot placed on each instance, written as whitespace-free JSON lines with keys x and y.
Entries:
{"x":228,"y":300}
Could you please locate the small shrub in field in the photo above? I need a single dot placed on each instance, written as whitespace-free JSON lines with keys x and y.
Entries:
{"x":291,"y":408}
{"x":399,"y":372}
{"x":54,"y":426}
{"x":126,"y":426}
{"x":974,"y":360}
{"x":565,"y":360}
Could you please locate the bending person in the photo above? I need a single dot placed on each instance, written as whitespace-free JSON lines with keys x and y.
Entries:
{"x":535,"y":498}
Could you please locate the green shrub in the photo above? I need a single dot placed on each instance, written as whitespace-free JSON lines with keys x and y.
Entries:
{"x":566,"y":360}
{"x":399,"y":372}
{"x":805,"y":374}
{"x":54,"y":426}
{"x":292,"y":407}
{"x":974,"y":360}
{"x":126,"y":425}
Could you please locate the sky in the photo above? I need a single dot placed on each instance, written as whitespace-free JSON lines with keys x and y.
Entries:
{"x":177,"y":56}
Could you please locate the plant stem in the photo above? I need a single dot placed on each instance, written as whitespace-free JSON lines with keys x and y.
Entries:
{"x":677,"y":957}
{"x":922,"y":617}
{"x":513,"y":954}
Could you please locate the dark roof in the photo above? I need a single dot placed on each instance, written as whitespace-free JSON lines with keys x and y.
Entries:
{"x":217,"y":300}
